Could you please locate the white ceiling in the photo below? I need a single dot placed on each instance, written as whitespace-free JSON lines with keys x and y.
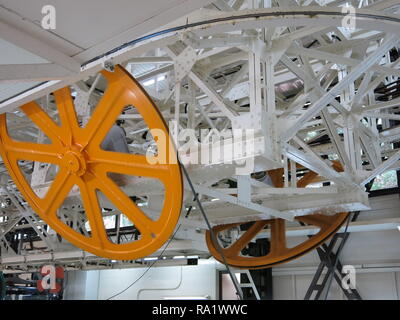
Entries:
{"x":86,"y":23}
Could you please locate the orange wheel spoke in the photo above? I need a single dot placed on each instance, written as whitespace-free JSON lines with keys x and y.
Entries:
{"x":33,"y":152}
{"x":43,"y":121}
{"x":58,"y":191}
{"x":218,"y":229}
{"x":5,"y":138}
{"x":245,"y":239}
{"x":318,"y":220}
{"x":103,"y":117}
{"x":129,"y":164}
{"x":66,"y":111}
{"x":278,"y":235}
{"x":124,"y":204}
{"x":276,"y":177}
{"x":306,"y":179}
{"x":93,"y":212}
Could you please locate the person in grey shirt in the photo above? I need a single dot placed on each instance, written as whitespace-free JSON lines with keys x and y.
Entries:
{"x":115,"y":141}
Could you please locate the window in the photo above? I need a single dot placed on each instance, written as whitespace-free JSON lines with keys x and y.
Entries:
{"x":125,"y":222}
{"x":386,"y":180}
{"x":109,"y":223}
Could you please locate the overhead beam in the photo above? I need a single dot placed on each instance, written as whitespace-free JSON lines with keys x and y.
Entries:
{"x":213,"y":95}
{"x":336,"y":139}
{"x":382,"y":105}
{"x":312,"y":161}
{"x":382,"y":5}
{"x":381,"y":169}
{"x":310,"y":81}
{"x":268,"y":212}
{"x":155,"y":60}
{"x":37,"y":47}
{"x":330,"y":96}
{"x":358,"y":226}
{"x":32,"y":72}
{"x":326,"y":56}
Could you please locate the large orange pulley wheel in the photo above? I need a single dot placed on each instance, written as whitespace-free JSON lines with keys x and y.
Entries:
{"x":81,"y":162}
{"x":278,"y":251}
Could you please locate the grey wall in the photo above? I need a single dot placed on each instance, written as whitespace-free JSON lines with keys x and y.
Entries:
{"x":371,"y":286}
{"x":375,"y":255}
{"x":158,"y":283}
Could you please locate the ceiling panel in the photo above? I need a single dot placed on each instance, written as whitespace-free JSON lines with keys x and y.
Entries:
{"x":11,"y":54}
{"x":90,"y":22}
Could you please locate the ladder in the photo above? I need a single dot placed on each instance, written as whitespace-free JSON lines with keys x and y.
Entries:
{"x":249,"y":284}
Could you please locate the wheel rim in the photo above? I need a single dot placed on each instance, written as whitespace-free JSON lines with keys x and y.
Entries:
{"x":278,"y":252}
{"x":81,"y":161}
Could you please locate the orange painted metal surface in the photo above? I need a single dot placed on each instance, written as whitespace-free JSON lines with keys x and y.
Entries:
{"x":81,"y":161}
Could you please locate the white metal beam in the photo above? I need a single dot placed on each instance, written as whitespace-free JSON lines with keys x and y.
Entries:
{"x":267,"y":212}
{"x":213,"y":95}
{"x":324,"y":55}
{"x":381,"y":169}
{"x":38,"y":47}
{"x":32,"y":72}
{"x":329,"y":96}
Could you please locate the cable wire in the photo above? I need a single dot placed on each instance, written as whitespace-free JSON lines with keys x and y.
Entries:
{"x":213,"y":237}
{"x":148,"y":269}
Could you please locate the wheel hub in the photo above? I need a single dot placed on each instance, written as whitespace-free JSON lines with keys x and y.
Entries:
{"x":75,"y":162}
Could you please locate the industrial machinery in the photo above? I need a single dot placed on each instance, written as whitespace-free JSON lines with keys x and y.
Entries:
{"x":80,"y":157}
{"x":81,"y":162}
{"x":280,"y":111}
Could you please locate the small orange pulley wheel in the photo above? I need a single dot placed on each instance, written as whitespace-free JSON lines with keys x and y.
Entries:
{"x":81,"y":161}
